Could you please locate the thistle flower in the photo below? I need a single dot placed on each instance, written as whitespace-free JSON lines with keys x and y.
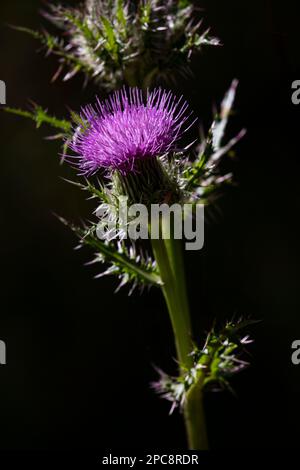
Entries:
{"x":134,"y":139}
{"x":126,"y":129}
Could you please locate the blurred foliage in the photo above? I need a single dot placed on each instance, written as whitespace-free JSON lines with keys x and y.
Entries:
{"x":115,"y":41}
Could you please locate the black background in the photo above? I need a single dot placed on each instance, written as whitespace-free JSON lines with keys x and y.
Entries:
{"x":79,"y":357}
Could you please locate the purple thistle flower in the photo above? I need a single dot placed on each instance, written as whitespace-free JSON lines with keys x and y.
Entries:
{"x":127,"y":128}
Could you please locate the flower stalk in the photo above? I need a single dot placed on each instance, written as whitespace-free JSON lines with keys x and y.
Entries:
{"x":132,"y":142}
{"x":169,"y":258}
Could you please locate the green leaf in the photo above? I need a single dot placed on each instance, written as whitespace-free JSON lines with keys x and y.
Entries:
{"x":109,"y":34}
{"x":100,"y":192}
{"x":41,"y":116}
{"x":57,"y":47}
{"x":145,"y":14}
{"x":203,"y":177}
{"x":124,"y":262}
{"x":80,"y":24}
{"x":31,"y":32}
{"x":214,"y":364}
{"x":121,"y":15}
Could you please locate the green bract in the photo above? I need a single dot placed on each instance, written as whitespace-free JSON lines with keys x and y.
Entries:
{"x":115,"y":41}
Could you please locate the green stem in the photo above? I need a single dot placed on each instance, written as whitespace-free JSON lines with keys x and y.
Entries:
{"x":194,"y":417}
{"x":176,"y":301}
{"x":168,"y":255}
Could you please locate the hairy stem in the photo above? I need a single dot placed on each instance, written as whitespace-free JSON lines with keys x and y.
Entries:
{"x":168,"y":255}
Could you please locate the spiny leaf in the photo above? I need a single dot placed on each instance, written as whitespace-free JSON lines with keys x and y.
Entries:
{"x":112,"y":41}
{"x":203,"y":177}
{"x":125,"y":263}
{"x":31,"y":32}
{"x":99,"y":192}
{"x":80,"y":25}
{"x":145,"y":13}
{"x":121,"y":14}
{"x":215,"y":363}
{"x":109,"y":34}
{"x":57,"y":47}
{"x":41,"y":116}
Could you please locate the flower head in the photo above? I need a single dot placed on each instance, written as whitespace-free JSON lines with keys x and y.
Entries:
{"x":126,"y":129}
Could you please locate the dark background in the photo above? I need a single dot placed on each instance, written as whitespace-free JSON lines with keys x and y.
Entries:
{"x":79,"y":358}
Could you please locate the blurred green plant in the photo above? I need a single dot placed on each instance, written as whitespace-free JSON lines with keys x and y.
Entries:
{"x":116,"y":41}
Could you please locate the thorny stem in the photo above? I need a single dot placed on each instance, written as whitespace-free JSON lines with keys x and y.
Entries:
{"x":168,"y":255}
